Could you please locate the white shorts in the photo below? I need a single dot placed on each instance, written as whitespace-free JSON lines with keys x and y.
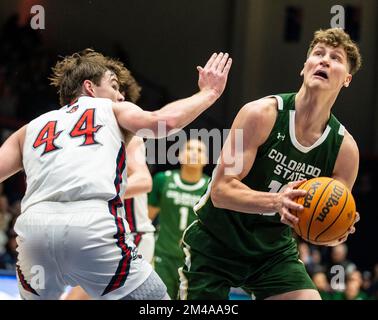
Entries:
{"x":77,"y":243}
{"x":145,"y":243}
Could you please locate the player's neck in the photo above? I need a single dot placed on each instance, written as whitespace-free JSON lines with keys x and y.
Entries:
{"x":313,"y":108}
{"x":190,"y":174}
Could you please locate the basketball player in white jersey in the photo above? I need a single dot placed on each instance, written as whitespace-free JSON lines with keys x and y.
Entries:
{"x":72,"y":227}
{"x":139,"y":183}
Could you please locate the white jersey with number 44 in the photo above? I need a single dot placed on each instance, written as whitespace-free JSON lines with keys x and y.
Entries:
{"x":74,"y":153}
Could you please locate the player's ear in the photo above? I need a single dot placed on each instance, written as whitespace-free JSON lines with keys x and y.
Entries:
{"x":348,"y":80}
{"x":88,"y":88}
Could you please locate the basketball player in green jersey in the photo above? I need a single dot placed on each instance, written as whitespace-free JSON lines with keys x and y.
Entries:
{"x":174,"y":194}
{"x":242,"y":236}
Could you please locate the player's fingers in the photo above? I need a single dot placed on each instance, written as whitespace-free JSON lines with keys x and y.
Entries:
{"x":343,"y":239}
{"x":296,"y":184}
{"x":200,"y":69}
{"x":292,"y":205}
{"x":210,"y":61}
{"x":222,"y":63}
{"x":227,"y":67}
{"x":357,"y":217}
{"x":286,"y":215}
{"x":296,"y":193}
{"x":332,"y":244}
{"x":285,"y":221}
{"x":352,"y":230}
{"x":217,"y":60}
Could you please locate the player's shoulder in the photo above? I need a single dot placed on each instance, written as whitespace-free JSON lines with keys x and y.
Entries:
{"x":264,"y":109}
{"x":119,"y":106}
{"x":101,"y":105}
{"x":120,"y":110}
{"x":347,"y":162}
{"x":349,"y":144}
{"x":258,"y":118}
{"x":348,"y":156}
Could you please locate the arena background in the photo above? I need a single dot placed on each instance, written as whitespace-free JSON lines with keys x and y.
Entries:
{"x":162,"y":42}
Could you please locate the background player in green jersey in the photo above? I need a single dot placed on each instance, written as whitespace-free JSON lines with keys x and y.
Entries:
{"x":174,"y":193}
{"x":242,"y":237}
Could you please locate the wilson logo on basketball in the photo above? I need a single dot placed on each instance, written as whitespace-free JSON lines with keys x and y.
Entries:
{"x":310,"y":194}
{"x":328,"y":213}
{"x":333,"y":200}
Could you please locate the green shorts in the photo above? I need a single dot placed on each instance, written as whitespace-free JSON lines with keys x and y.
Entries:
{"x":209,"y":274}
{"x":166,"y":267}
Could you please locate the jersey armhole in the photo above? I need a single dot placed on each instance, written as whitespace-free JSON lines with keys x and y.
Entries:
{"x":280,"y":102}
{"x":280,"y":107}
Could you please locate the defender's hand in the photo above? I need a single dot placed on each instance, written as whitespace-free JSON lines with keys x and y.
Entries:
{"x":213,"y":76}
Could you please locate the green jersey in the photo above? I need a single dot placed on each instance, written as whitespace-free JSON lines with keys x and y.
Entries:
{"x":280,"y":160}
{"x":176,"y":199}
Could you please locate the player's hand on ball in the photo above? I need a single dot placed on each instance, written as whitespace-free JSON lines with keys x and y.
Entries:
{"x":213,"y":76}
{"x":286,"y":202}
{"x":352,"y":229}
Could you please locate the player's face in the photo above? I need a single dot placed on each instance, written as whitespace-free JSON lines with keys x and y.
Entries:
{"x":109,"y":88}
{"x":327,"y":68}
{"x":194,"y":154}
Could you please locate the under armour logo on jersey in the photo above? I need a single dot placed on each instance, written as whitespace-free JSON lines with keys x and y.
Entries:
{"x":281,"y":136}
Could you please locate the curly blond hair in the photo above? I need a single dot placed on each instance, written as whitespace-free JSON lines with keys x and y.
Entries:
{"x":337,"y":37}
{"x":70,"y":73}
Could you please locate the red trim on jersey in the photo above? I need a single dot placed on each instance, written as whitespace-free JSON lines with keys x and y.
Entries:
{"x":138,"y":238}
{"x":23,"y":282}
{"x":131,"y":220}
{"x":123,"y":268}
{"x":130,"y":214}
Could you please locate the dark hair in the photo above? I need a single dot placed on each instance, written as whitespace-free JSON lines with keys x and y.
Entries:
{"x":70,"y":73}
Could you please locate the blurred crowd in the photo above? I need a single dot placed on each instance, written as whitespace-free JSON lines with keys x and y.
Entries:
{"x":337,"y":277}
{"x":24,"y":70}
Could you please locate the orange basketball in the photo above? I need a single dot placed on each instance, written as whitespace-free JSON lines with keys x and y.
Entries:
{"x":329,"y":211}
